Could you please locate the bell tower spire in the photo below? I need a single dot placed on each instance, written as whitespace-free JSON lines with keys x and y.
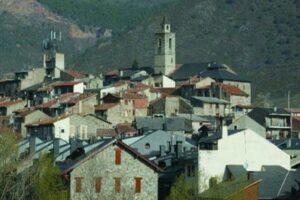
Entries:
{"x":165,"y":53}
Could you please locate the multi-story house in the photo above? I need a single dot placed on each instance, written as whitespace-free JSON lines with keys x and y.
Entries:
{"x":113,"y":171}
{"x":271,"y":123}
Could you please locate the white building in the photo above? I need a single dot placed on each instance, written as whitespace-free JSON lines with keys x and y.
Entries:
{"x":244,"y":147}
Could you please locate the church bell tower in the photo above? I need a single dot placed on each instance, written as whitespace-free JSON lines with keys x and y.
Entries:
{"x":165,"y":53}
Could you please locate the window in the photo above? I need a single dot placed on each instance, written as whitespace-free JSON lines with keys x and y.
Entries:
{"x":191,"y":170}
{"x":97,"y":184}
{"x":138,"y":184}
{"x":62,"y":130}
{"x":78,"y":184}
{"x":118,"y":156}
{"x":117,"y":184}
{"x":159,"y":43}
{"x":83,"y":131}
{"x":147,"y":146}
{"x":170,"y":43}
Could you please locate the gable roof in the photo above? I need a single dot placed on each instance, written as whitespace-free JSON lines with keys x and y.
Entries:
{"x":210,"y":100}
{"x":47,"y":121}
{"x":123,"y":146}
{"x":234,"y":90}
{"x":7,"y":103}
{"x":258,"y":114}
{"x":188,"y":70}
{"x":277,"y":182}
{"x":105,"y":106}
{"x":221,"y":73}
{"x":74,"y":73}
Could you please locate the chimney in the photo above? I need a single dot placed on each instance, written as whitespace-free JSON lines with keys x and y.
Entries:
{"x":164,"y":126}
{"x":55,"y":147}
{"x":224,"y":131}
{"x":179,"y":152}
{"x":289,"y":142}
{"x":32,"y":145}
{"x":73,"y":144}
{"x":162,"y":150}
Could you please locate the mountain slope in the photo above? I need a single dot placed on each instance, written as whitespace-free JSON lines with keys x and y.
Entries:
{"x":260,"y":39}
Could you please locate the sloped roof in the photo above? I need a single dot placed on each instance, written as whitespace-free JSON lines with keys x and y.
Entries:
{"x":234,"y":90}
{"x":277,"y":182}
{"x":106,"y":132}
{"x":48,"y":121}
{"x":74,"y":73}
{"x":259,"y":114}
{"x":25,"y":111}
{"x":123,"y":146}
{"x":7,"y":103}
{"x":54,"y":101}
{"x":188,"y":70}
{"x":222,"y":74}
{"x":125,"y":128}
{"x":210,"y":100}
{"x":237,"y":170}
{"x":105,"y":106}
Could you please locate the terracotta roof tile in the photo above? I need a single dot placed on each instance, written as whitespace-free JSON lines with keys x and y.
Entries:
{"x":47,"y":121}
{"x":7,"y":103}
{"x":105,"y":106}
{"x":109,"y":132}
{"x":114,"y":72}
{"x":75,"y":73}
{"x":57,"y":100}
{"x":232,"y":89}
{"x":141,"y":103}
{"x":126,"y":128}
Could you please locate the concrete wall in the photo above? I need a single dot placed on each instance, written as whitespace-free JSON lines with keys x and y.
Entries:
{"x":168,"y":83}
{"x":79,"y":88}
{"x":244,"y":86}
{"x":210,"y":109}
{"x":103,"y":165}
{"x":62,"y":129}
{"x":30,"y":118}
{"x":90,"y":122}
{"x":17,"y":106}
{"x":245,"y":148}
{"x":34,"y":77}
{"x":121,"y":113}
{"x":204,"y":82}
{"x":85,"y":106}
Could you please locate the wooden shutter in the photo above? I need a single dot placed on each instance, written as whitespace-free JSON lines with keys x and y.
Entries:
{"x":78,"y":184}
{"x":118,"y":156}
{"x":117,"y":184}
{"x":97,"y":184}
{"x":138,"y":184}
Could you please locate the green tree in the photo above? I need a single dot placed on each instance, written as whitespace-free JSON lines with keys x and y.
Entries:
{"x":47,"y":183}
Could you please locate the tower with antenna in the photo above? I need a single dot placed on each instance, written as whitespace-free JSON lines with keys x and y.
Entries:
{"x":53,"y":61}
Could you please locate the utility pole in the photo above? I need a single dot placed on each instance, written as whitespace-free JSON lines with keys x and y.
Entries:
{"x":289,"y":101}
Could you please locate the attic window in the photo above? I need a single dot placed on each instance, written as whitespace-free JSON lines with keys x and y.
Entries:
{"x":147,"y":146}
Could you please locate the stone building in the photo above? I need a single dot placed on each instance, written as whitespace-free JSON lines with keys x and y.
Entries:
{"x":169,"y":106}
{"x":114,"y":171}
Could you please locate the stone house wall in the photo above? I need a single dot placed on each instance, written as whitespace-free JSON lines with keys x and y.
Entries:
{"x":103,"y":165}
